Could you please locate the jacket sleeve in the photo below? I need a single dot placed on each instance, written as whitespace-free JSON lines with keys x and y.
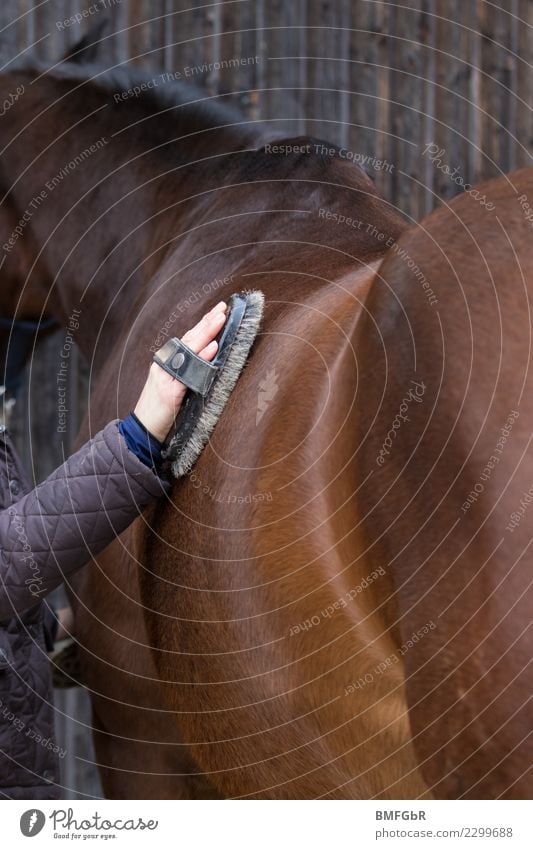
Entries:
{"x":73,"y":514}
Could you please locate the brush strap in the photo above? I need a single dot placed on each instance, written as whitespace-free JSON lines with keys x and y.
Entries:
{"x":184,"y":365}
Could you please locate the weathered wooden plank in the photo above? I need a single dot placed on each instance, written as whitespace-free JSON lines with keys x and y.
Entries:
{"x":302,"y":65}
{"x":9,"y":39}
{"x":290,"y":97}
{"x":512,"y":45}
{"x":258,"y":104}
{"x":275,"y":38}
{"x":246,"y":82}
{"x":146,"y":23}
{"x":283,"y":69}
{"x":47,"y":20}
{"x":229,"y":50}
{"x":197,"y":32}
{"x":408,"y":94}
{"x":524,"y":82}
{"x":190,"y":37}
{"x":473,"y":127}
{"x":322,"y":99}
{"x":426,"y":173}
{"x":365,"y":55}
{"x":24,"y":25}
{"x":117,"y":48}
{"x":452,"y":108}
{"x":369,"y":107}
{"x":496,"y":96}
{"x":166,"y":8}
{"x":343,"y":70}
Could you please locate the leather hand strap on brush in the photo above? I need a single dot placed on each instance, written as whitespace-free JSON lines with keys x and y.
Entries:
{"x":210,"y":384}
{"x":186,"y":366}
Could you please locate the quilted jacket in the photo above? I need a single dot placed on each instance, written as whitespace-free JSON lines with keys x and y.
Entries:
{"x":46,"y":534}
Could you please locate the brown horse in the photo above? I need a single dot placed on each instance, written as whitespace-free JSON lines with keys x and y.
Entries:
{"x":311,"y":613}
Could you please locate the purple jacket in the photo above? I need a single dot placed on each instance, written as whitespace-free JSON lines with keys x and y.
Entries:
{"x":46,"y":534}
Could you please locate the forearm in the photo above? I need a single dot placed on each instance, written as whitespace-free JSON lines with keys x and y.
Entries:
{"x":75,"y":513}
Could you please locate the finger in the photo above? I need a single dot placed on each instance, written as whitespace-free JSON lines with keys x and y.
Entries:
{"x":205,"y":331}
{"x":222,"y":305}
{"x":209,"y":351}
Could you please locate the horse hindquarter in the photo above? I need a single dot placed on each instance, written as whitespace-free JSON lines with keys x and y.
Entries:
{"x":444,"y":510}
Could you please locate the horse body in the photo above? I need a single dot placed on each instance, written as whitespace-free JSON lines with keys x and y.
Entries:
{"x":242,"y":638}
{"x":229,"y":566}
{"x":448,"y":510}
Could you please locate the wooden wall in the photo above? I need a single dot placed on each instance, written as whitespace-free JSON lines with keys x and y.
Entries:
{"x":383,"y":79}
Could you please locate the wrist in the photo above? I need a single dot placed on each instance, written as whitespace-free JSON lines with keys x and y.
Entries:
{"x":156,"y":431}
{"x":154,"y":420}
{"x":159,"y":403}
{"x":146,"y":429}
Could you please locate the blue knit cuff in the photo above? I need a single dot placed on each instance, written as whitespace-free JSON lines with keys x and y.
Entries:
{"x":139,"y":440}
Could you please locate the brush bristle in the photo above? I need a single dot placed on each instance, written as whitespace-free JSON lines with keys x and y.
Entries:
{"x":185,"y":456}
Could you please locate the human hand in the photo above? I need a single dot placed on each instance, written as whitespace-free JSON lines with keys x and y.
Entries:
{"x":162,"y":395}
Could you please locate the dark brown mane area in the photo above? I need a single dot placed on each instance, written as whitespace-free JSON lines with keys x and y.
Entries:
{"x":165,"y":93}
{"x":182,"y":109}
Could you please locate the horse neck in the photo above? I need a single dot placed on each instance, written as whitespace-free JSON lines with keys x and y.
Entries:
{"x":94,"y":242}
{"x":105,"y":236}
